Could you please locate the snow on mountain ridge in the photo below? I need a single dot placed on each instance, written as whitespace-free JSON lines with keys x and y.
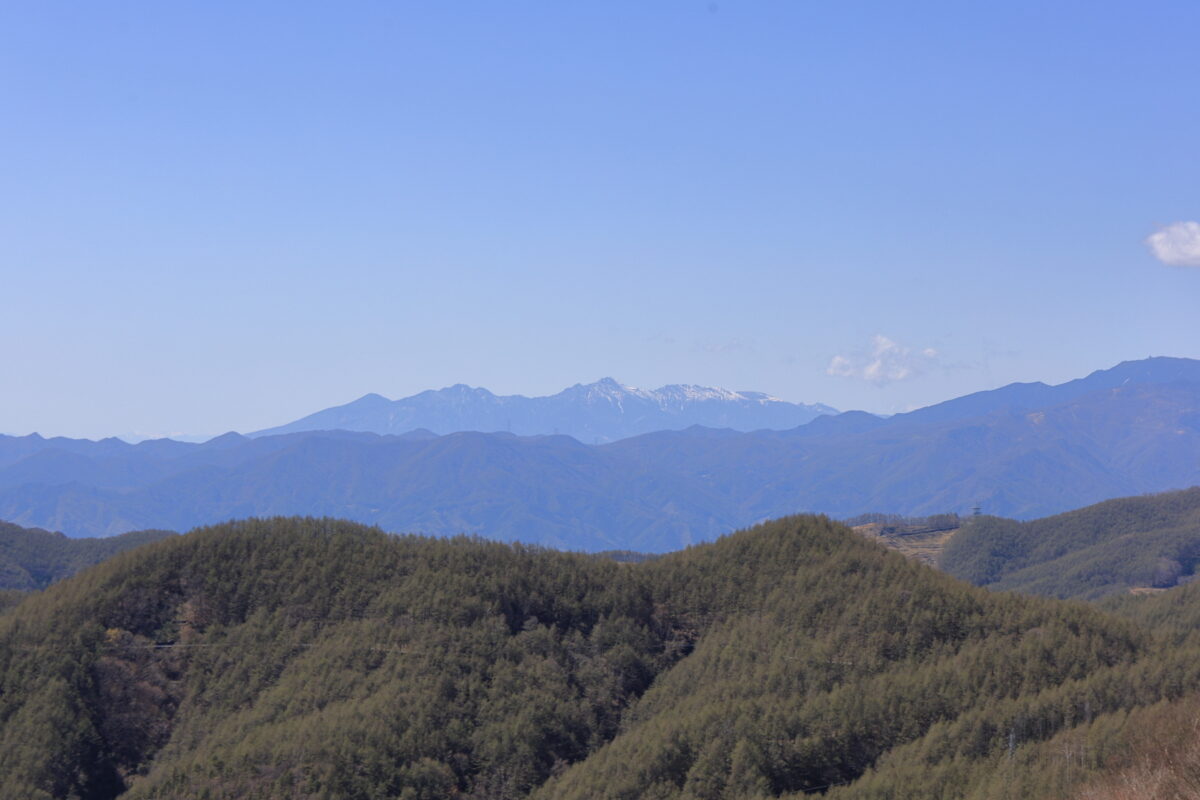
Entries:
{"x":689,"y":392}
{"x":674,"y":393}
{"x":605,"y":387}
{"x":601,"y":411}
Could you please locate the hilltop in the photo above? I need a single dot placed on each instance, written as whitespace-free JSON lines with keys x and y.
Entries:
{"x":920,"y":538}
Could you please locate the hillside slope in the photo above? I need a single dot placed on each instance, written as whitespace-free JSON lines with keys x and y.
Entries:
{"x":32,"y":559}
{"x":1148,"y":541}
{"x":318,"y":659}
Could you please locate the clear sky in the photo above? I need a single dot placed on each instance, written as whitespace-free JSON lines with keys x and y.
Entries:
{"x":223,"y":215}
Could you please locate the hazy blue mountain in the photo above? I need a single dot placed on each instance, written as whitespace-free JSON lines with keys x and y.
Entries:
{"x":1029,"y":396}
{"x":1132,"y":433}
{"x":597,"y":412}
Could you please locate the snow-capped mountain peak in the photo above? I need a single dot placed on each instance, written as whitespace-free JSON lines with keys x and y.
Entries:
{"x":594,"y":412}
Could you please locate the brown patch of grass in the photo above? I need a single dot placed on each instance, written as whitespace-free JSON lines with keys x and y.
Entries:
{"x":1163,"y":761}
{"x":923,"y":546}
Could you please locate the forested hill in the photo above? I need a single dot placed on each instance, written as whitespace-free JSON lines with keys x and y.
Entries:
{"x":309,"y":659}
{"x":31,"y":558}
{"x":1149,"y":542}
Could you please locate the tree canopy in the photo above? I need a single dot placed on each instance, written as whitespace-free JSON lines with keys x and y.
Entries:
{"x":313,"y":658}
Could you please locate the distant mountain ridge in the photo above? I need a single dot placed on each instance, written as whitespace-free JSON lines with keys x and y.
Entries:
{"x":1029,"y":396}
{"x":1126,"y":431}
{"x":603,"y":411}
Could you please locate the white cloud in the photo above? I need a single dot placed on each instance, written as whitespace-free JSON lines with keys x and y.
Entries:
{"x":1177,"y":244}
{"x":840,"y":366}
{"x":888,"y":361}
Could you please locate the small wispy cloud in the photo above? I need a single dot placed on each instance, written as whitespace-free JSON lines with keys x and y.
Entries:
{"x":1177,"y":244}
{"x":886,"y":362}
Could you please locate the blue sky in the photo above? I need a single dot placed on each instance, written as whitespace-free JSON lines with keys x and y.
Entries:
{"x":222,"y":216}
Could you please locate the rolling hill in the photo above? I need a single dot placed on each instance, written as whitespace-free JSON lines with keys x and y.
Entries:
{"x":318,"y":659}
{"x":1151,"y":542}
{"x":32,"y":559}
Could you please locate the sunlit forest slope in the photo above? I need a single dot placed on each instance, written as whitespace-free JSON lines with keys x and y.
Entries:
{"x":311,"y":658}
{"x":1151,"y":541}
{"x":31,"y":558}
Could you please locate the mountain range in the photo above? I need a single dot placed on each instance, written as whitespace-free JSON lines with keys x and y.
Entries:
{"x":596,"y":412}
{"x":1022,"y":451}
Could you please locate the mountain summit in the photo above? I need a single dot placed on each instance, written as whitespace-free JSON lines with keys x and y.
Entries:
{"x":603,"y":411}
